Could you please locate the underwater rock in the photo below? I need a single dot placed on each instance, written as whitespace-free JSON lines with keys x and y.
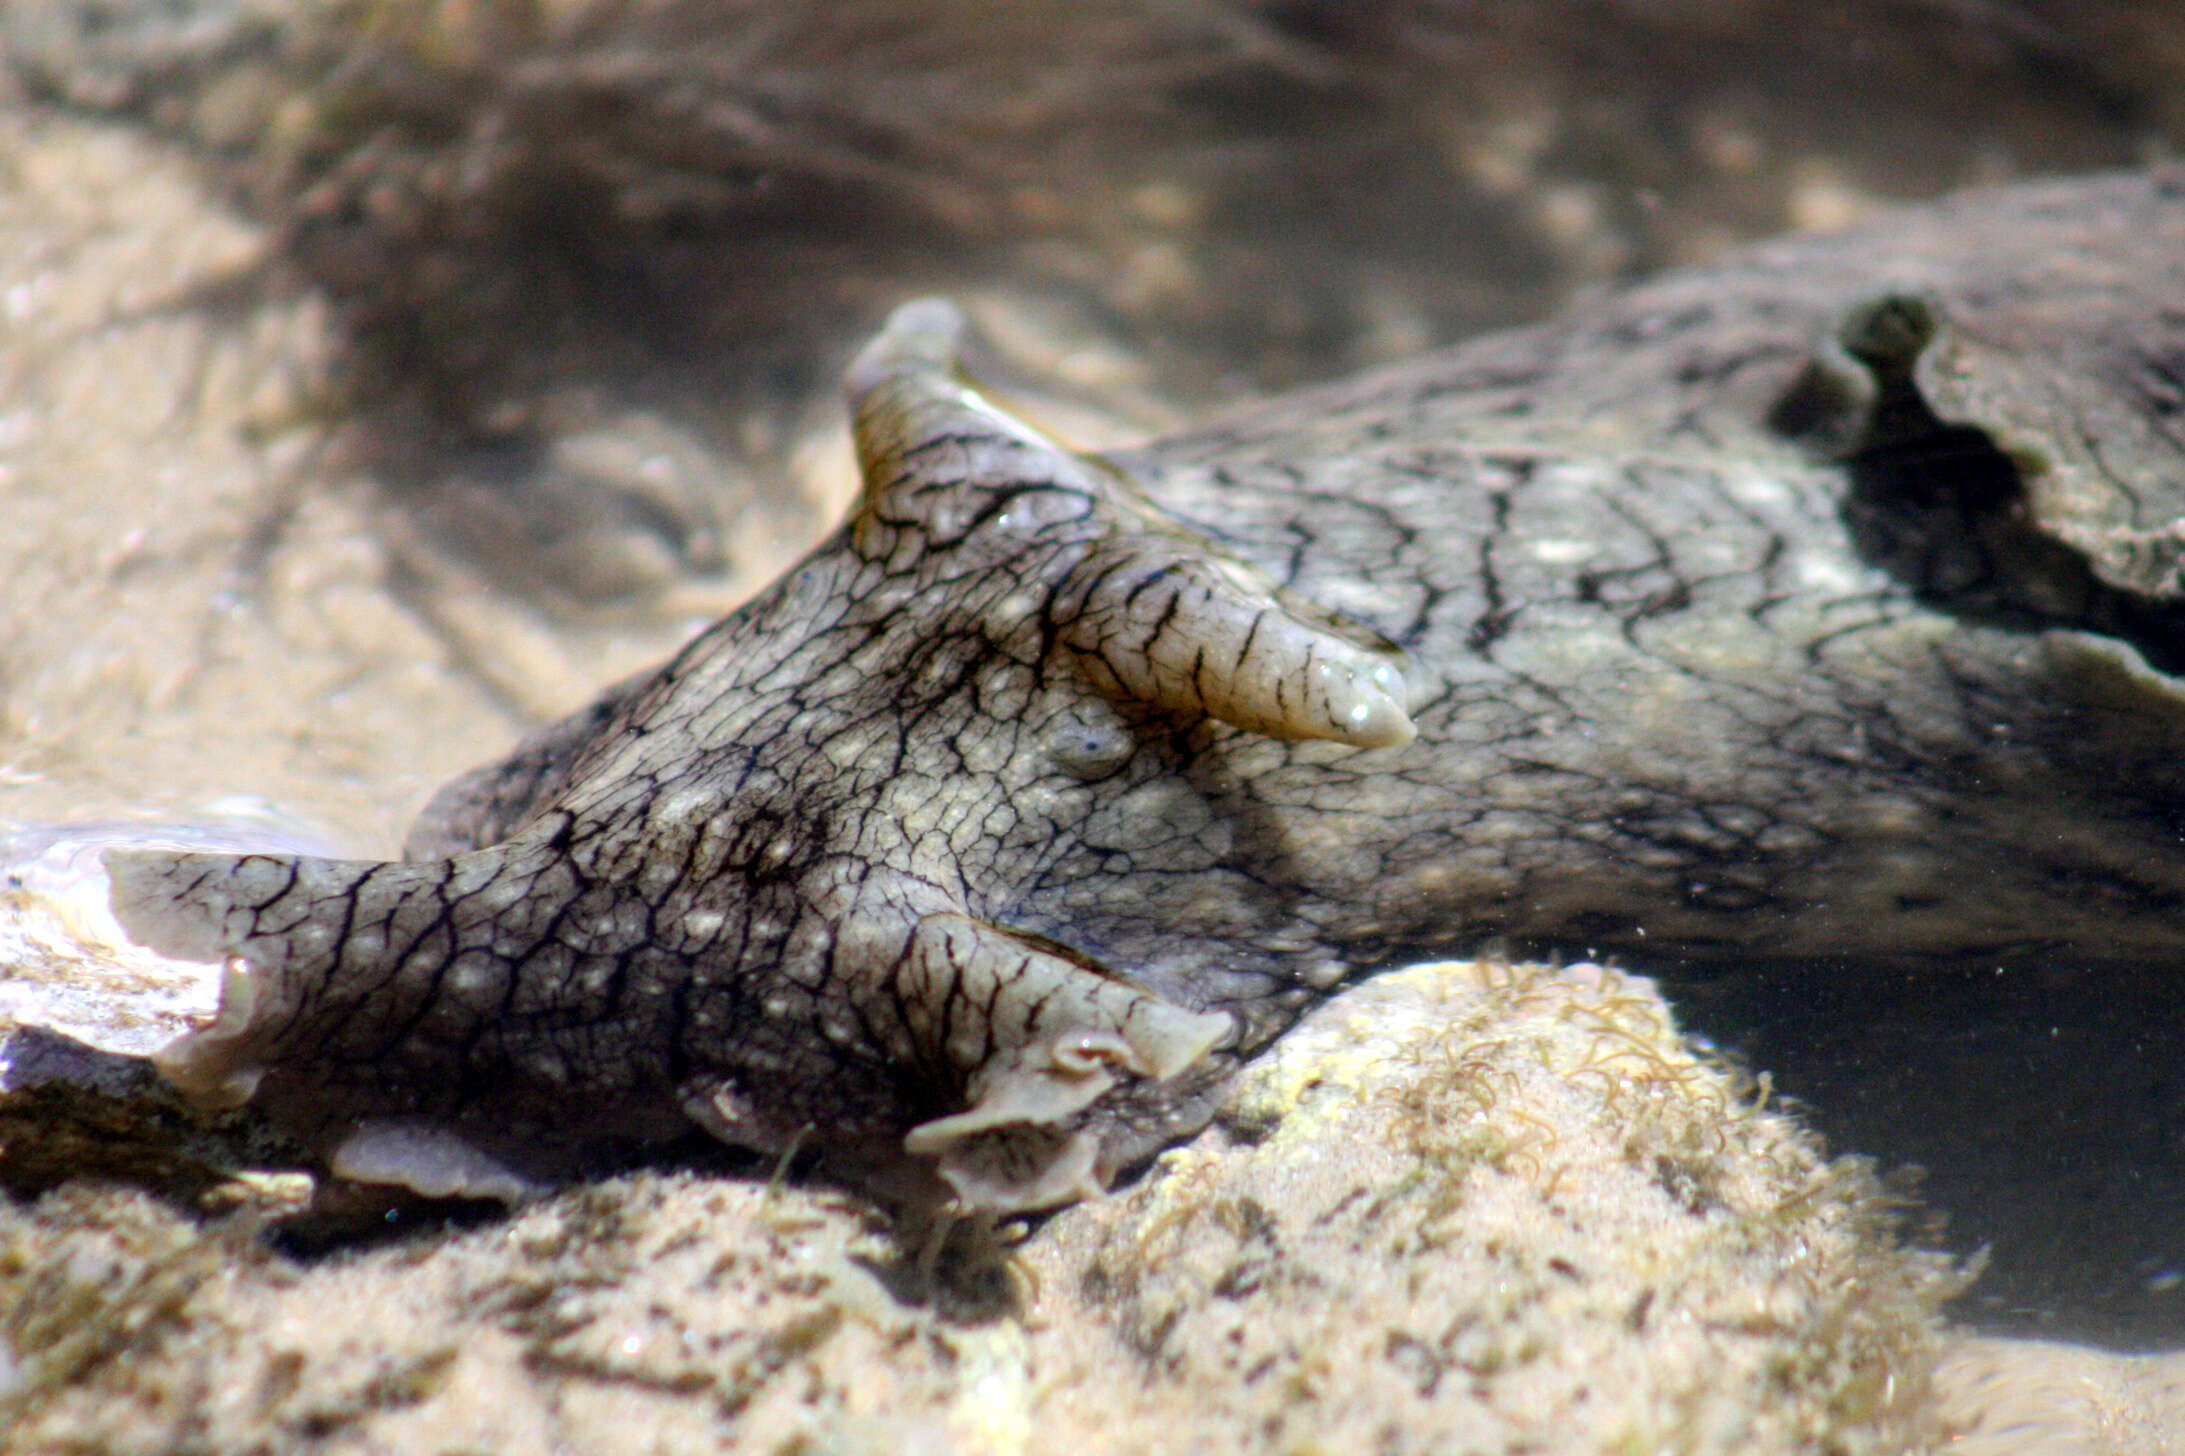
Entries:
{"x":1465,"y":1205}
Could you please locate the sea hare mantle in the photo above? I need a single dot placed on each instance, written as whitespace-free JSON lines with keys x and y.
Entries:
{"x":1822,"y":603}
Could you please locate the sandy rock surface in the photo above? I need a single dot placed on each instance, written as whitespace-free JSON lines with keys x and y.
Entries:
{"x":1467,"y":1205}
{"x":175,"y":552}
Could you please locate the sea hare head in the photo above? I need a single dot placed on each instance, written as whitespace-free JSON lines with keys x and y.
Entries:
{"x":774,"y":888}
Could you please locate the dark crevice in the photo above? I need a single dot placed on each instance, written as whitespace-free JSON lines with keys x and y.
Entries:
{"x":1942,"y":509}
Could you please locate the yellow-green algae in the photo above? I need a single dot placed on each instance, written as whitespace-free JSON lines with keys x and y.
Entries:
{"x":1483,"y":1204}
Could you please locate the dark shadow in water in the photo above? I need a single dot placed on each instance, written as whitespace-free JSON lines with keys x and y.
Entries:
{"x":2046,"y":1106}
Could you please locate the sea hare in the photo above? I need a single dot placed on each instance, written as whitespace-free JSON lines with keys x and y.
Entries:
{"x":1822,"y":603}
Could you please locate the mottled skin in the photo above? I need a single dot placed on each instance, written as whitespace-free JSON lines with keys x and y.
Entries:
{"x":1800,"y":607}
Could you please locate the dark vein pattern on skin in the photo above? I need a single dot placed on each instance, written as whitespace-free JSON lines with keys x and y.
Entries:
{"x":1804,"y":606}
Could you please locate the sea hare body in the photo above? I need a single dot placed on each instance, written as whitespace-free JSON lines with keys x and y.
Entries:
{"x":1824,"y":603}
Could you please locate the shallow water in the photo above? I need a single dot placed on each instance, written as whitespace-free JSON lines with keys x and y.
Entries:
{"x":205,"y":597}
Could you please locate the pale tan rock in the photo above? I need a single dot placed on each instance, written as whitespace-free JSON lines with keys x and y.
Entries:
{"x":2034,"y":1398}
